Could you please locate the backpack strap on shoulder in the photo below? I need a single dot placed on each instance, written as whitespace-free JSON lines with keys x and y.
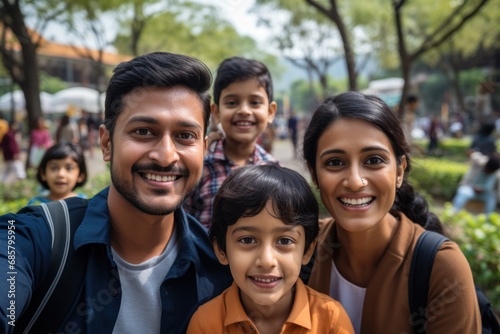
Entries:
{"x":62,"y":284}
{"x":425,"y":250}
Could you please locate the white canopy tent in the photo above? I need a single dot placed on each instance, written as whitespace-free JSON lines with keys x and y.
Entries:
{"x":17,"y":100}
{"x":83,"y":98}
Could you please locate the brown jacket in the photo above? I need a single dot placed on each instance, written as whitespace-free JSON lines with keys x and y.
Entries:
{"x":452,"y":301}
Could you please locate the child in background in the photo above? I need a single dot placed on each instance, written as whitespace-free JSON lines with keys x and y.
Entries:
{"x":265,"y":225}
{"x":61,"y":170}
{"x":243,"y":106}
{"x":12,"y":154}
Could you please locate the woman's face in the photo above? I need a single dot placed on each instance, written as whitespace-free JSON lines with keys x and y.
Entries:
{"x":357,"y":174}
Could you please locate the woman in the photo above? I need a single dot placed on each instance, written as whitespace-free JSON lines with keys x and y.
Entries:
{"x":358,"y":157}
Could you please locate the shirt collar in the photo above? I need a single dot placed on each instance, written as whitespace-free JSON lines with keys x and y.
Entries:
{"x":216,"y":152}
{"x":300,"y":314}
{"x":95,"y":226}
{"x":95,"y":229}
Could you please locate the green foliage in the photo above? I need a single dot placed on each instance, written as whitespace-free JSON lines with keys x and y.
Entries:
{"x":436,"y":177}
{"x":436,"y":86}
{"x":192,"y":29}
{"x":17,"y":194}
{"x":454,"y":149}
{"x":479,"y":239}
{"x":51,"y":84}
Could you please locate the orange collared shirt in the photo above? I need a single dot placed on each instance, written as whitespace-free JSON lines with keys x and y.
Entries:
{"x":312,"y":312}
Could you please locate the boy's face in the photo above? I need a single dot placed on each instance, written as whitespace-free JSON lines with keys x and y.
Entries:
{"x":265,"y":257}
{"x":244,"y":111}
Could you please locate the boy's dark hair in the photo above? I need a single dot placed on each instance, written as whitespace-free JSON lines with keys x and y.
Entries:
{"x":245,"y":192}
{"x":240,"y":69}
{"x":62,"y":151}
{"x":411,"y":98}
{"x":157,"y":69}
{"x":486,"y":128}
{"x":492,"y":165}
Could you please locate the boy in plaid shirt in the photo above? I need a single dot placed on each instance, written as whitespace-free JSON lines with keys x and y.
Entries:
{"x":243,"y":106}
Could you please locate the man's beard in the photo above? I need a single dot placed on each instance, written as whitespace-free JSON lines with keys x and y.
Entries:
{"x":128,"y":193}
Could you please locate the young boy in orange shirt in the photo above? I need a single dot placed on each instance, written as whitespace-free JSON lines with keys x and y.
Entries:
{"x":264,"y":227}
{"x":243,"y":106}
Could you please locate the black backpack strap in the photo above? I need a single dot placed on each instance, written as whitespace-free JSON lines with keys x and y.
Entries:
{"x":420,"y":273}
{"x":490,"y":323}
{"x":62,"y":284}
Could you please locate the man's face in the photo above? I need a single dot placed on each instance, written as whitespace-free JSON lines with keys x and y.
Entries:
{"x":156,"y":153}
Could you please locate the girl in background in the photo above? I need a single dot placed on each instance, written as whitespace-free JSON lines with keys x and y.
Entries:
{"x":61,"y":170}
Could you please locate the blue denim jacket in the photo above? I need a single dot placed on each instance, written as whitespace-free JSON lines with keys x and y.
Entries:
{"x":195,"y":277}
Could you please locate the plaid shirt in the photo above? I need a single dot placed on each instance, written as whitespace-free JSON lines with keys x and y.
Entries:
{"x":216,"y":167}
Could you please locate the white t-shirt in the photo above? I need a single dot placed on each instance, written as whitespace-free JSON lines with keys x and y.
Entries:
{"x":140,"y":308}
{"x":351,"y":297}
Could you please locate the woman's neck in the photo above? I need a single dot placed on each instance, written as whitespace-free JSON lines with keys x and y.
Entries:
{"x":359,"y":253}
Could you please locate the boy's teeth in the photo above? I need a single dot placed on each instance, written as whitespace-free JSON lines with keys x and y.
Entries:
{"x":265,"y":280}
{"x":159,"y":178}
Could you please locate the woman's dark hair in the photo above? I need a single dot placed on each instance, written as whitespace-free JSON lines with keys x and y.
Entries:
{"x":371,"y":109}
{"x":237,"y":69}
{"x":157,"y":69}
{"x":247,"y":189}
{"x":62,"y":151}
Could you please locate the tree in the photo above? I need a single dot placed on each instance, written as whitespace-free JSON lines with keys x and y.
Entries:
{"x":310,"y":30}
{"x":333,"y":14}
{"x":432,"y":37}
{"x":306,"y":43}
{"x":469,"y":48}
{"x":189,"y":28}
{"x":136,"y":16}
{"x":18,"y":47}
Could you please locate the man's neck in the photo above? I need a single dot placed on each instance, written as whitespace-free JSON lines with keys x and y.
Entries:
{"x":134,"y":235}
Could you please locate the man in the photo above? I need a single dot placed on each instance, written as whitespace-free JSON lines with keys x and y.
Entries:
{"x":148,"y":264}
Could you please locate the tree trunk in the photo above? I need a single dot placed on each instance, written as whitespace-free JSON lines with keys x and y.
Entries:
{"x":31,"y":84}
{"x":334,"y":15}
{"x":27,"y":74}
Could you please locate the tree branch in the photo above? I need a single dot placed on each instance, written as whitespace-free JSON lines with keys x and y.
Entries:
{"x":426,"y":47}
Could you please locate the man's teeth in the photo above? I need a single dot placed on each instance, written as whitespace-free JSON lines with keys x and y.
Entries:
{"x":356,"y":201}
{"x":160,"y":178}
{"x":265,"y":280}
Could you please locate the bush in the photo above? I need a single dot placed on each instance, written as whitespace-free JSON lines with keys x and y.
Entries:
{"x":436,"y":177}
{"x":479,"y":239}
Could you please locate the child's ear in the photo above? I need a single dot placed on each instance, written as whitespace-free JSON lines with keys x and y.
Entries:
{"x":220,"y":254}
{"x":273,"y":106}
{"x":81,"y":177}
{"x":105,"y":141}
{"x":215,"y":112}
{"x":309,"y":253}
